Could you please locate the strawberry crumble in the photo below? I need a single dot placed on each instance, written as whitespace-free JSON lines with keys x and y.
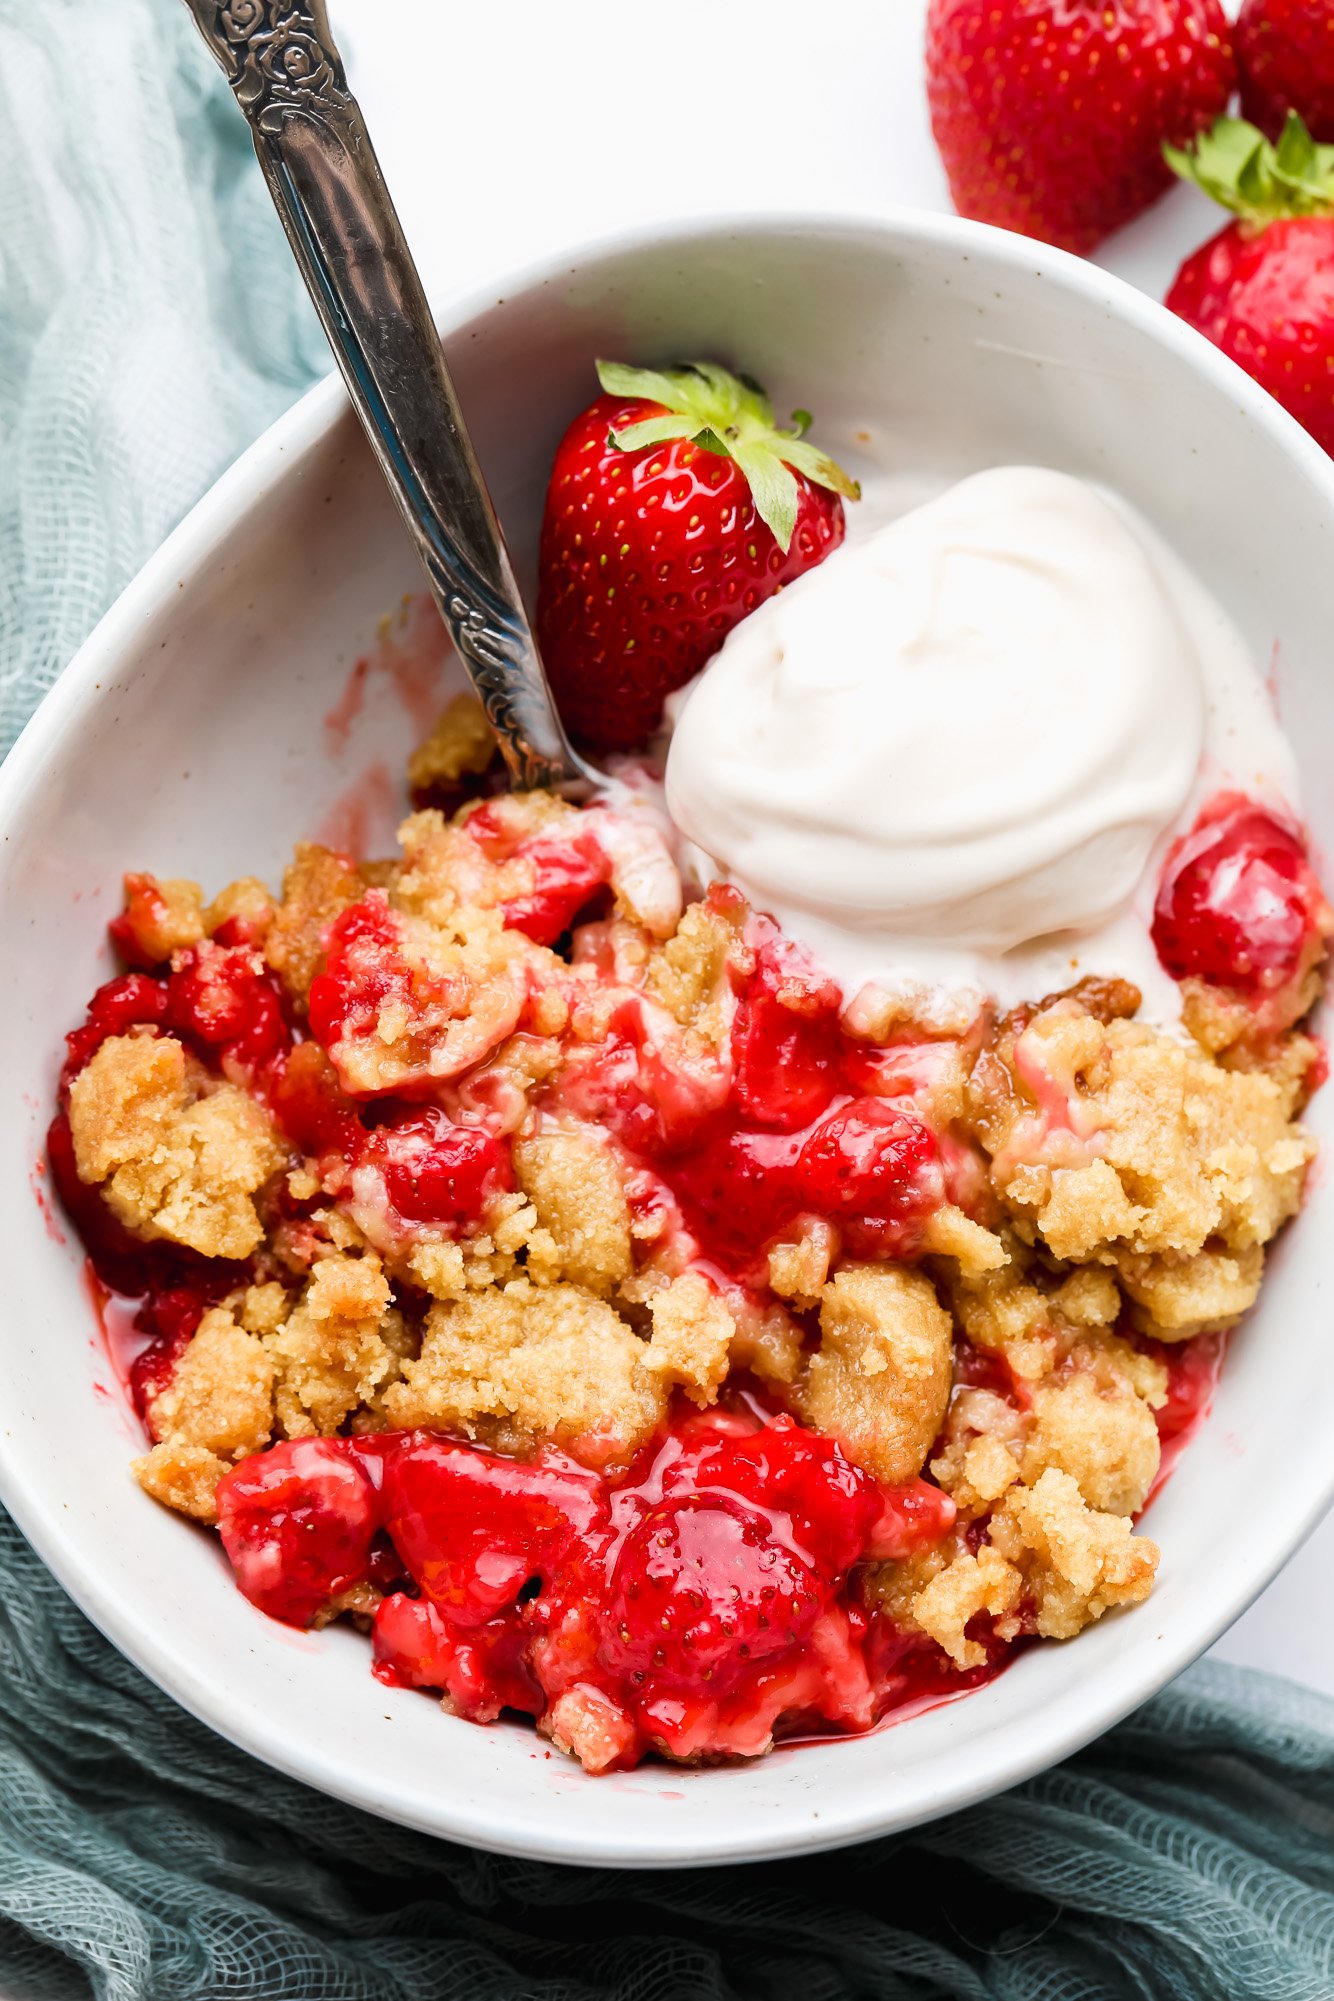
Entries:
{"x":548,"y":1266}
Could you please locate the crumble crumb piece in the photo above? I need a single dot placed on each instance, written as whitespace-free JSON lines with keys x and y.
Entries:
{"x":221,"y":1394}
{"x":246,"y":902}
{"x":447,"y":867}
{"x":688,"y":973}
{"x":162,"y":917}
{"x":692,"y":1337}
{"x":518,"y":1364}
{"x":589,"y":1726}
{"x":1031,"y":1316}
{"x":970,"y":1584}
{"x":1232,"y":1030}
{"x":1077,"y":1562}
{"x":462,"y":745}
{"x":171,"y":1163}
{"x":1116,"y":1144}
{"x":571,"y":1178}
{"x":1175,"y":1298}
{"x":880,"y":1380}
{"x":317,"y":885}
{"x":979,"y":1450}
{"x":948,"y":1233}
{"x":261,"y":1309}
{"x":453,"y":993}
{"x":183,"y":1477}
{"x":339,"y":1349}
{"x":799,"y":1267}
{"x":767,"y":1342}
{"x":1104,"y":1439}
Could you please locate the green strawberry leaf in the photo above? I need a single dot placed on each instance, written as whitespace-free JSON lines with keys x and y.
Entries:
{"x":817,"y":465}
{"x":773,"y":488}
{"x":1237,"y":166}
{"x":652,"y":431}
{"x":729,"y":415}
{"x":654,"y":387}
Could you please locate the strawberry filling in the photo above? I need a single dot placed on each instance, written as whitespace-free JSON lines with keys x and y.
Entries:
{"x":566,"y":869}
{"x":780,"y":1130}
{"x":225,"y":1001}
{"x":699,"y":1603}
{"x":708,"y":1597}
{"x":1239,"y":905}
{"x":363,"y":969}
{"x":436,"y":1172}
{"x":297,"y":1523}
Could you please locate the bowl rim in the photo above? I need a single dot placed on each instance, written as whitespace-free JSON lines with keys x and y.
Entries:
{"x":493,"y":1824}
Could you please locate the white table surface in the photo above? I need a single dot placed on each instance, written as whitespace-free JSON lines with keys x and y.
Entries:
{"x":506,"y":131}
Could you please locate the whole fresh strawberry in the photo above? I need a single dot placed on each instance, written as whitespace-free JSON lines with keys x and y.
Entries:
{"x":675,"y":505}
{"x":1050,"y":115}
{"x":1285,"y":52}
{"x":1263,"y":288}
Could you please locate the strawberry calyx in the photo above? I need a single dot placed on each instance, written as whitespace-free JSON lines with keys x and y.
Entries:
{"x":1259,"y":180}
{"x":731,"y":415}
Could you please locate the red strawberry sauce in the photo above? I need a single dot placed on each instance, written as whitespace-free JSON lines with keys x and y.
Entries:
{"x":697,"y":1602}
{"x":801,"y":1121}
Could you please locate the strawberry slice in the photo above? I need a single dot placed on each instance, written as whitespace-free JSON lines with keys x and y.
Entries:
{"x":297,"y":1523}
{"x":786,"y":1047}
{"x":676,"y":504}
{"x":224,"y":999}
{"x":702,"y":1591}
{"x":474,"y":1529}
{"x":875,"y":1168}
{"x":783,"y":1470}
{"x":435,"y":1171}
{"x":1239,"y":905}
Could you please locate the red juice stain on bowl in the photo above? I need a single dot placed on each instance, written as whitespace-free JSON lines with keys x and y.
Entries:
{"x":37,"y":1181}
{"x":410,"y":652}
{"x":362,"y":817}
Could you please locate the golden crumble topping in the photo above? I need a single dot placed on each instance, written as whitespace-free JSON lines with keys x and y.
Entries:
{"x":162,"y":917}
{"x":339,"y":1349}
{"x":316,"y":887}
{"x":880,"y":1379}
{"x":519,"y":1363}
{"x":221,"y":1393}
{"x":577,"y":1195}
{"x":1113,"y":1144}
{"x":462,"y":745}
{"x":174,"y":1160}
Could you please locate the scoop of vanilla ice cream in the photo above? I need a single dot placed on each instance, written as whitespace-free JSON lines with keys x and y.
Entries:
{"x":971,"y":727}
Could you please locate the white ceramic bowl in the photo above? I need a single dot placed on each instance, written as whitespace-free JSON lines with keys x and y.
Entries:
{"x":188,"y":737}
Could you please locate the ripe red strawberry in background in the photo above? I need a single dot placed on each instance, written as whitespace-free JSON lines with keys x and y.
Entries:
{"x":1285,"y":52}
{"x":675,"y":505}
{"x":1263,"y":288}
{"x":1050,"y":115}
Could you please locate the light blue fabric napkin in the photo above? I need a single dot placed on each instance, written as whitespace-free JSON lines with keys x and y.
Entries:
{"x":150,"y":326}
{"x":151,"y":322}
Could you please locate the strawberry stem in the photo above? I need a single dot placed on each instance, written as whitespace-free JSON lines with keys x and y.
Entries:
{"x":730,"y":415}
{"x":1236,"y":165}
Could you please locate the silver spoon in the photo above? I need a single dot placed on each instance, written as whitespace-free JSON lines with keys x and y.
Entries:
{"x":287,"y":75}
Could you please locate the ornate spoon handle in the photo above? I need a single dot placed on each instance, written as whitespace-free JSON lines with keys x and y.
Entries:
{"x":288,"y":78}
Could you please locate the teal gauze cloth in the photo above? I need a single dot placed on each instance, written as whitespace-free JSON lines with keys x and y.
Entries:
{"x":150,"y":324}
